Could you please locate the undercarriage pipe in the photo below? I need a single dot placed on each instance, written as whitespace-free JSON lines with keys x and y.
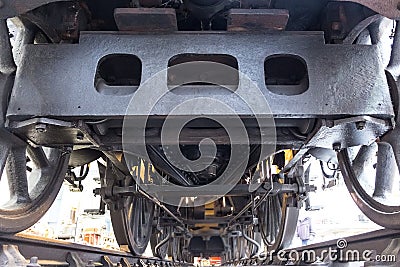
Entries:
{"x":162,"y":243}
{"x":258,"y":251}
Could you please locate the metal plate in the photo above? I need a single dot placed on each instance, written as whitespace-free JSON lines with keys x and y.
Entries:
{"x":257,"y":19}
{"x":146,"y":19}
{"x":343,"y":79}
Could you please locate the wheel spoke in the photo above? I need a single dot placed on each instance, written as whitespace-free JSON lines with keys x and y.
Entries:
{"x":38,"y":157}
{"x":269,"y":221}
{"x":365,"y":157}
{"x":17,"y":178}
{"x":275,"y":223}
{"x":380,"y":213}
{"x":277,"y":210}
{"x":4,"y":151}
{"x":141,"y":220}
{"x":386,"y":171}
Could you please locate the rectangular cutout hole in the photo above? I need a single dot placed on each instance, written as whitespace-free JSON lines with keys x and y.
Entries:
{"x":118,"y":74}
{"x":211,"y":72}
{"x":286,"y":75}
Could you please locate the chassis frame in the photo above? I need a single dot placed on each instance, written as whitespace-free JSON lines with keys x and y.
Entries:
{"x":343,"y":90}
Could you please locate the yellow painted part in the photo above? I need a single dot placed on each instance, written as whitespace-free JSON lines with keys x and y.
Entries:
{"x":118,"y":155}
{"x":142,"y":168}
{"x":124,"y":248}
{"x":288,"y":155}
{"x":209,"y":209}
{"x":208,"y":225}
{"x":209,"y":212}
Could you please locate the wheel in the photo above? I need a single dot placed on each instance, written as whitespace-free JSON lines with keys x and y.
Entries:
{"x":133,"y":223}
{"x":25,"y":197}
{"x":133,"y":220}
{"x":30,"y":181}
{"x":242,"y":248}
{"x":371,"y":177}
{"x":277,"y":221}
{"x":178,"y":251}
{"x":239,"y":247}
{"x":156,"y":238}
{"x":236,"y":248}
{"x":176,"y":245}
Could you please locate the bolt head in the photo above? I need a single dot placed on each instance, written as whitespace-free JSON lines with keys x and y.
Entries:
{"x":80,"y":136}
{"x":336,"y":26}
{"x":40,"y":128}
{"x":330,"y":123}
{"x":337,"y":146}
{"x":360,"y":125}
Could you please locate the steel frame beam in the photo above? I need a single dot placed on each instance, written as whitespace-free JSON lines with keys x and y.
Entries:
{"x":343,"y":79}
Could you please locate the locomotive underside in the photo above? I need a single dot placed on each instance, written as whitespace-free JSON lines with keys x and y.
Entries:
{"x":244,"y":91}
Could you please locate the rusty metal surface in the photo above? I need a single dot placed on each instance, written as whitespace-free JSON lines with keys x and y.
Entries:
{"x":257,"y":19}
{"x":388,"y":8}
{"x":146,"y":19}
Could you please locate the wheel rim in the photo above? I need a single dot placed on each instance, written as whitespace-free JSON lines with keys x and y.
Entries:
{"x":177,"y":247}
{"x":371,"y":203}
{"x":133,"y":223}
{"x":142,"y":214}
{"x":34,"y":177}
{"x":277,"y":221}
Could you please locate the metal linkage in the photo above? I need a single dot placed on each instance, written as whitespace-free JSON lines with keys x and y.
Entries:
{"x":45,"y":252}
{"x":238,"y":190}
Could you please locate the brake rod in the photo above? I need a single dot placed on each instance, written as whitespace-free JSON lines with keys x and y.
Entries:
{"x":169,"y":168}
